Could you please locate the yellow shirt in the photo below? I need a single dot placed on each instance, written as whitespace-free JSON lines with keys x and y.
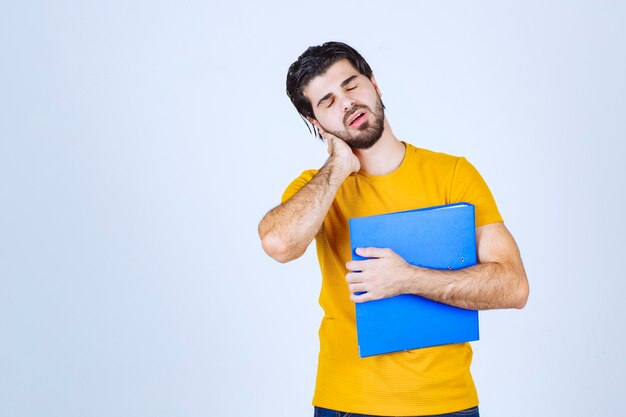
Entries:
{"x":433,"y":380}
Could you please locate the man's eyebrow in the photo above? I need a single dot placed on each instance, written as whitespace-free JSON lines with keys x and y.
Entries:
{"x":343,"y":84}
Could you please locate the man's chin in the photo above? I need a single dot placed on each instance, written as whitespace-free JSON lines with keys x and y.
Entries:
{"x":366,"y":137}
{"x":362,"y":144}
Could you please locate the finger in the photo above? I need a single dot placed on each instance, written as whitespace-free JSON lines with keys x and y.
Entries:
{"x":357,"y":266}
{"x":330,"y":139}
{"x":325,"y":134}
{"x":354,"y":277}
{"x":360,"y":288}
{"x":329,"y":136}
{"x":374,"y":252}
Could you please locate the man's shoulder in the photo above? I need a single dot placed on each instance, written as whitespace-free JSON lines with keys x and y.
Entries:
{"x":309,"y":173}
{"x":297,"y":183}
{"x":305,"y":176}
{"x":427,"y":157}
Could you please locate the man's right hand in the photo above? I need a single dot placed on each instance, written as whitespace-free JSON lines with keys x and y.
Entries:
{"x":341,"y":155}
{"x":287,"y":229}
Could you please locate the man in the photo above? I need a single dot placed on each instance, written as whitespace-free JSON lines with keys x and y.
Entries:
{"x":369,"y":171}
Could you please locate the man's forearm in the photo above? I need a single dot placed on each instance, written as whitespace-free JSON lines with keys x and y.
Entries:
{"x":497,"y":281}
{"x":480,"y":287}
{"x":288,"y":229}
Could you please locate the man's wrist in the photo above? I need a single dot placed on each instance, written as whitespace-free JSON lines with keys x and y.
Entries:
{"x":412,"y":279}
{"x":339,"y":170}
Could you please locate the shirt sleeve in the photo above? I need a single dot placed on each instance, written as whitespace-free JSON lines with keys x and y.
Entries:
{"x":469,"y":186}
{"x":297,"y":184}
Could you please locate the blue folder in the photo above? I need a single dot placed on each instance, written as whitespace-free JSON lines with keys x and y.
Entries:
{"x":441,"y":237}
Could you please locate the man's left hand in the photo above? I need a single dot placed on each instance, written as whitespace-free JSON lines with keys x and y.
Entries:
{"x":385,"y":275}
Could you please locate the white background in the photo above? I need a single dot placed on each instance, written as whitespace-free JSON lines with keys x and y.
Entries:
{"x":142,"y":142}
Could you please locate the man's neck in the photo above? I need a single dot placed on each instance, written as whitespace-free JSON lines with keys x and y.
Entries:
{"x":384,"y":157}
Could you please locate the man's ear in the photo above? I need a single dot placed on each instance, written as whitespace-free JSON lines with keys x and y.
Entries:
{"x":317,"y":125}
{"x":373,"y":80}
{"x":313,"y":121}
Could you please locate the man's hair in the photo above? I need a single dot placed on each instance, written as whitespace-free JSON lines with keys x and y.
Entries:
{"x":313,"y":62}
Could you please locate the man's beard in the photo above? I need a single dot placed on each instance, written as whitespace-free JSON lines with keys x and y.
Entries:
{"x":368,"y":132}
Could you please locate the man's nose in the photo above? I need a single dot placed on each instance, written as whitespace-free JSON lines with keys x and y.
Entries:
{"x":348,"y":103}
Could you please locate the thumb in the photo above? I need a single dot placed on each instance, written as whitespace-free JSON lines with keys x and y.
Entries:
{"x":374,"y":252}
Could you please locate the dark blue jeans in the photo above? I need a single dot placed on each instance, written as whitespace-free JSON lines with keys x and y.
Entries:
{"x":325,"y":412}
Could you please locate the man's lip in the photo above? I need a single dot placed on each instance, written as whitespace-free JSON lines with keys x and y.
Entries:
{"x":356,"y":115}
